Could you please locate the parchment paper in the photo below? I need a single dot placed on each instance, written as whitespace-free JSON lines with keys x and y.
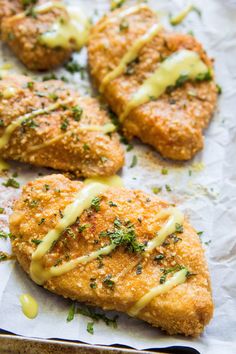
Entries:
{"x":207,"y":195}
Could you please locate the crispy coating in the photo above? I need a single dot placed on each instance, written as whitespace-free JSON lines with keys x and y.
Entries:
{"x":85,"y":153}
{"x":173,"y":123}
{"x":9,"y":8}
{"x":22,"y":35}
{"x":185,"y":309}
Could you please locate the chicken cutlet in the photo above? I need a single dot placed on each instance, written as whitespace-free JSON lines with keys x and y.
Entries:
{"x":49,"y":124}
{"x":43,"y":34}
{"x":159,"y":83}
{"x":119,"y":249}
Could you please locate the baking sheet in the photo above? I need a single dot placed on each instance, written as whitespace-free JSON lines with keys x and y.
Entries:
{"x":205,"y":189}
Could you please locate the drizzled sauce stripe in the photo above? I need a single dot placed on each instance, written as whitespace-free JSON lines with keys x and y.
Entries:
{"x":4,"y":139}
{"x":107,"y":128}
{"x":182,"y":62}
{"x":71,"y":213}
{"x":177,"y":279}
{"x":130,"y":55}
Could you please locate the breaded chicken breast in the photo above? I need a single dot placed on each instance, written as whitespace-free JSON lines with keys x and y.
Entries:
{"x":43,"y":34}
{"x":134,"y":63}
{"x":114,"y":248}
{"x":49,"y":124}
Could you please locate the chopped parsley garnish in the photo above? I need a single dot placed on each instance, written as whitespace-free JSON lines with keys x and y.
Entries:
{"x":41,"y":221}
{"x":1,"y":123}
{"x":86,"y":147}
{"x":27,"y":3}
{"x":58,"y":262}
{"x":77,"y":112}
{"x":129,"y":147}
{"x":95,"y":204}
{"x":139,"y":269}
{"x":64,"y":124}
{"x":90,"y":328}
{"x":33,"y":203}
{"x":74,"y":67}
{"x":179,"y":228}
{"x":30,"y":85}
{"x":50,"y":76}
{"x":134,"y":161}
{"x":124,"y":235}
{"x":90,"y":312}
{"x":168,"y":271}
{"x":190,"y":274}
{"x":11,"y":182}
{"x":29,"y":123}
{"x":156,"y":190}
{"x":115,"y":4}
{"x":93,"y":283}
{"x":70,"y":232}
{"x":36,"y":242}
{"x":53,"y":96}
{"x":129,"y":70}
{"x":168,"y":188}
{"x":83,"y":227}
{"x":164,"y":171}
{"x":112,"y":204}
{"x":107,"y":281}
{"x":159,"y":257}
{"x":219,"y":89}
{"x":4,"y":234}
{"x":3,"y":256}
{"x":71,"y":313}
{"x":181,"y":80}
{"x":204,"y":76}
{"x":31,"y":12}
{"x":46,"y":187}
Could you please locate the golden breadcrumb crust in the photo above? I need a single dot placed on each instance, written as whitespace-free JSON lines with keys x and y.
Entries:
{"x":185,"y":309}
{"x":86,"y":153}
{"x":22,"y":35}
{"x":173,"y":123}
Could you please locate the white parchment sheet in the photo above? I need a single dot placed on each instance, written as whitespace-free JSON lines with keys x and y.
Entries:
{"x":205,"y":189}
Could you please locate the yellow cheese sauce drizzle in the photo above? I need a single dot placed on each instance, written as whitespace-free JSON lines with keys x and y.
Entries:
{"x":66,"y":33}
{"x":175,"y":217}
{"x":71,"y":213}
{"x":182,"y":62}
{"x":175,"y":20}
{"x":177,"y":279}
{"x":29,"y":306}
{"x":131,"y":55}
{"x":4,"y":139}
{"x":105,"y":129}
{"x":122,"y":14}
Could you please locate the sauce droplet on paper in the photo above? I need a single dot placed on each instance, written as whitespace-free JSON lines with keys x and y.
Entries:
{"x":29,"y":306}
